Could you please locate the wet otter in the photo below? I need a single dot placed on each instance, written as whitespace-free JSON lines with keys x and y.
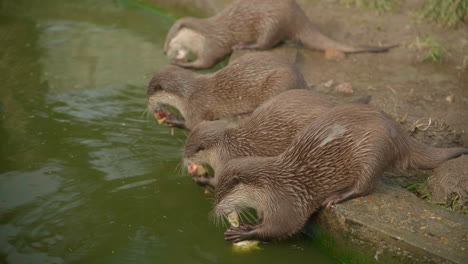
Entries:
{"x":236,"y":89}
{"x":268,"y":132}
{"x":338,"y":156}
{"x":247,"y":24}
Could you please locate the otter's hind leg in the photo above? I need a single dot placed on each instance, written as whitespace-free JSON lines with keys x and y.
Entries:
{"x":200,"y":63}
{"x":363,"y":185}
{"x":267,"y":39}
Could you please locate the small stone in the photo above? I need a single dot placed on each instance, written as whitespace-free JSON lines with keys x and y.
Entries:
{"x":344,"y":88}
{"x":332,"y":54}
{"x":449,"y":99}
{"x":328,"y":84}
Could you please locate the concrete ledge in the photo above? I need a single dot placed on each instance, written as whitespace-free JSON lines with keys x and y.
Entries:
{"x":395,"y":226}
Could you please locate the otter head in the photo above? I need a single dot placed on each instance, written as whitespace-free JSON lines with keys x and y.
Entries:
{"x":170,"y":86}
{"x":201,"y":143}
{"x":185,"y":46}
{"x":240,"y":185}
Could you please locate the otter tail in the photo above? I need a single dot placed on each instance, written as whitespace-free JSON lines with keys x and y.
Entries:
{"x":311,"y":38}
{"x":423,"y":156}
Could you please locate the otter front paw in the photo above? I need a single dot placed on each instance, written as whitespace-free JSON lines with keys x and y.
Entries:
{"x":244,"y":45}
{"x":241,"y":233}
{"x":173,"y":120}
{"x":184,"y":64}
{"x":202,"y":180}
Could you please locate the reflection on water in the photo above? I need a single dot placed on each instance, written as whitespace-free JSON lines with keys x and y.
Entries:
{"x":85,"y":176}
{"x":77,"y":49}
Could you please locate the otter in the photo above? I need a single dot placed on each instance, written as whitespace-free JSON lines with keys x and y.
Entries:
{"x":338,"y":156}
{"x":268,"y":132}
{"x":237,"y":89}
{"x":247,"y":24}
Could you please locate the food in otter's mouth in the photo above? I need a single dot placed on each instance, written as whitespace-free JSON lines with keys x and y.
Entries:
{"x":183,"y":55}
{"x":245,"y":245}
{"x":173,"y":120}
{"x":160,"y":116}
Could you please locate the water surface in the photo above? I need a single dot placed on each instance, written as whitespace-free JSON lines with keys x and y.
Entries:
{"x":85,"y":176}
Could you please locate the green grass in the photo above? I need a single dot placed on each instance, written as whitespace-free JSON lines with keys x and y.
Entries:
{"x":453,"y":203}
{"x":434,"y":53}
{"x":446,"y":12}
{"x":379,"y":5}
{"x":430,"y":49}
{"x":419,"y":189}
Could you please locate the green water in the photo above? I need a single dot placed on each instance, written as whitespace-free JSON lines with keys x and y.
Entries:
{"x":85,"y":176}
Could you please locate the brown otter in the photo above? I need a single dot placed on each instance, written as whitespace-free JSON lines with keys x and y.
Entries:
{"x":338,"y":156}
{"x":247,"y":24}
{"x":268,"y":132}
{"x":236,"y":89}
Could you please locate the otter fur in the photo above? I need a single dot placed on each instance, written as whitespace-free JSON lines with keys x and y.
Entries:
{"x":247,"y":24}
{"x":338,"y":156}
{"x":237,"y":89}
{"x":268,"y":132}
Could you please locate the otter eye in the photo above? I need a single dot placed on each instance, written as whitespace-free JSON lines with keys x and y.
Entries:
{"x":199,"y":148}
{"x":235,"y":180}
{"x":153,"y":88}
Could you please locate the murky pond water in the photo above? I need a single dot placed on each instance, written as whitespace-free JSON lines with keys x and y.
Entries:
{"x":85,"y":176}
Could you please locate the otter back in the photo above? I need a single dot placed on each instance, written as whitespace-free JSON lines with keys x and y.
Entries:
{"x":249,"y":24}
{"x":338,"y":156}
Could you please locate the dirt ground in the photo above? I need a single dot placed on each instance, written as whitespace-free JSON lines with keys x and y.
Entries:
{"x":414,"y":92}
{"x":429,"y":98}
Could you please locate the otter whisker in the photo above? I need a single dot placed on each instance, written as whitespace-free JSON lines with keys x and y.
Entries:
{"x":178,"y":170}
{"x":213,"y":217}
{"x":180,"y":140}
{"x":145,"y":113}
{"x":218,"y":217}
{"x":246,"y":216}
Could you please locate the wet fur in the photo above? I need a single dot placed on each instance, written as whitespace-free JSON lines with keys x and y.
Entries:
{"x":340,"y":155}
{"x":268,"y":132}
{"x":249,"y":24}
{"x":236,"y":89}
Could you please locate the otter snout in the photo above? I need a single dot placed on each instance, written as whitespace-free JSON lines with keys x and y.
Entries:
{"x":196,"y":169}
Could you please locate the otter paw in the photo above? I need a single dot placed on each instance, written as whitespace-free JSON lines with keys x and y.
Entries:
{"x":184,"y":64}
{"x":241,"y":233}
{"x":244,"y":45}
{"x":330,"y":201}
{"x":202,"y":180}
{"x":175,"y":121}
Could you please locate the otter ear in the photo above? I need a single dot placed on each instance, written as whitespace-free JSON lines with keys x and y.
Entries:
{"x":235,"y":180}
